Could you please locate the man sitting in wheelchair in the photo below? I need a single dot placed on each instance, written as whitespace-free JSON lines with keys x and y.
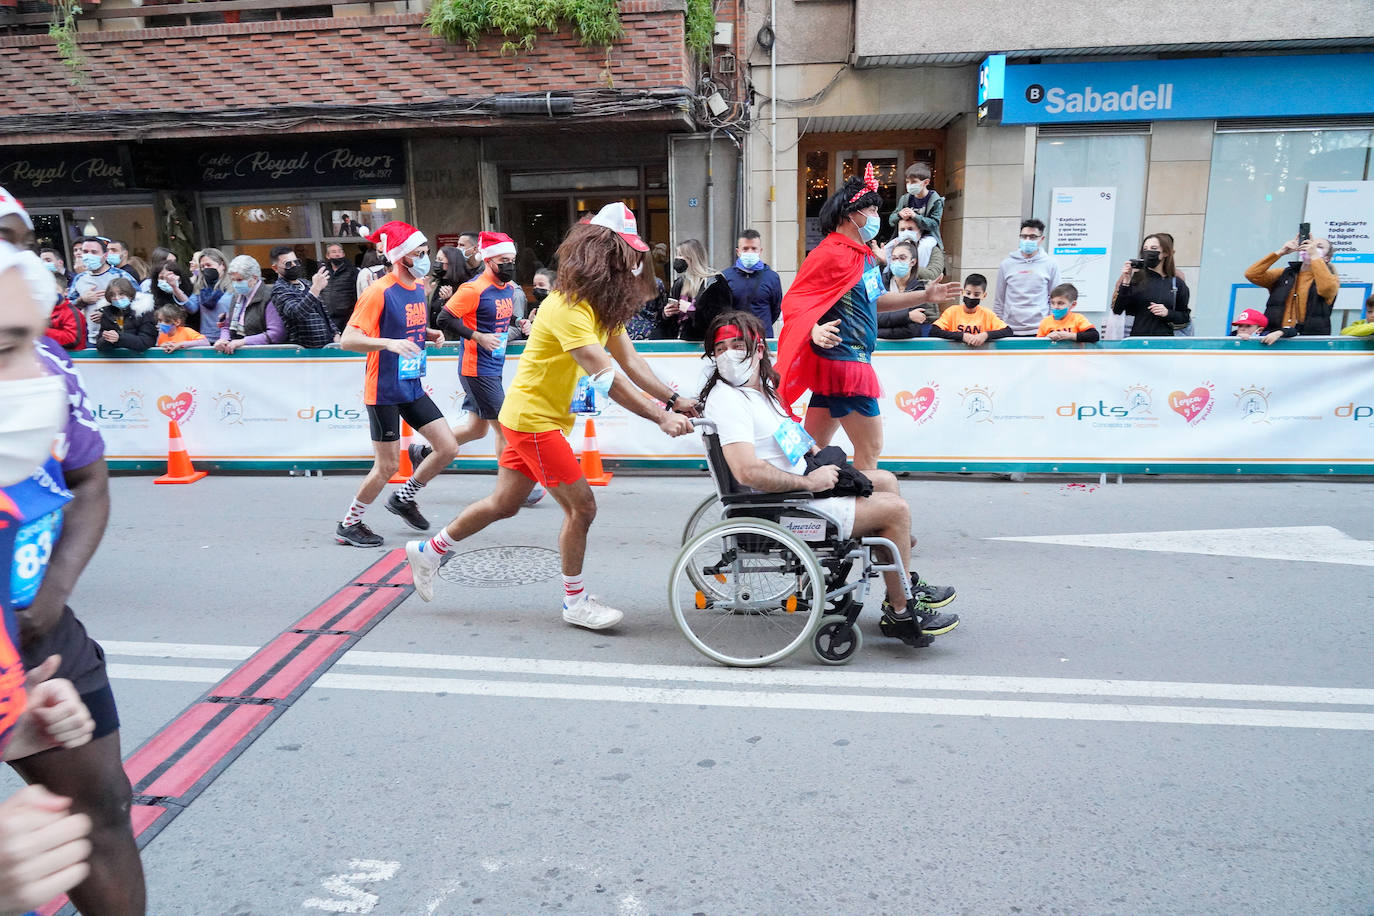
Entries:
{"x":765,"y":450}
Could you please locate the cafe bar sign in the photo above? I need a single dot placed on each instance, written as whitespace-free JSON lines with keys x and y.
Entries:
{"x":342,"y":163}
{"x":46,"y":172}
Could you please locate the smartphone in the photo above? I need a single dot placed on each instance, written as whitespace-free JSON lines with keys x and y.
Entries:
{"x":1304,"y":232}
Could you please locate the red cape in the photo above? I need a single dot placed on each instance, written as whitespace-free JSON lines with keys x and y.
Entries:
{"x":829,"y":271}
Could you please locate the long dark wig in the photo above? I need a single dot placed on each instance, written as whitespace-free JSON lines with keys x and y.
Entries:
{"x":595,"y":264}
{"x":753,"y":335}
{"x":840,"y":205}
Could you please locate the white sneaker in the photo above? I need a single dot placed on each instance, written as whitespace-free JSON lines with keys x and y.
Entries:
{"x":424,"y":563}
{"x":589,"y":613}
{"x":535,"y":495}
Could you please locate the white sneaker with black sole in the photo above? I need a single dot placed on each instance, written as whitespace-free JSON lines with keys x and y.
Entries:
{"x":589,"y":613}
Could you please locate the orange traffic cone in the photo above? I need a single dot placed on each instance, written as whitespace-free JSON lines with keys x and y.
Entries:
{"x":179,"y":469}
{"x":596,"y":475}
{"x":405,"y":468}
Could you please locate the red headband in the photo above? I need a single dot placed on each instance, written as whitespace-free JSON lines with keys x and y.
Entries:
{"x":870,"y":183}
{"x":727,"y":332}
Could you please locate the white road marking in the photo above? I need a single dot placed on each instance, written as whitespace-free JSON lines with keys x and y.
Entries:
{"x":827,"y":678}
{"x":1309,"y":544}
{"x":347,"y":887}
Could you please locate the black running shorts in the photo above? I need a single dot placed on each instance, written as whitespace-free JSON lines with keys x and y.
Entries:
{"x":385,"y":419}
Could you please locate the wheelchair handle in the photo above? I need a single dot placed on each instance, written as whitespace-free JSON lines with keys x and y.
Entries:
{"x":704,"y":425}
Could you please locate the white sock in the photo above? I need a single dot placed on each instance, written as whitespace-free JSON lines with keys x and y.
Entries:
{"x":572,"y":589}
{"x":355,"y":513}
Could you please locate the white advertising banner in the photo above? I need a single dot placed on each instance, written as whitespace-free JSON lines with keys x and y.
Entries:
{"x":944,"y":408}
{"x":1343,"y":212}
{"x":1080,"y":237}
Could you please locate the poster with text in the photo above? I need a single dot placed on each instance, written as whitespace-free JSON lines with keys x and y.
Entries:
{"x":1343,"y":212}
{"x":1080,"y":237}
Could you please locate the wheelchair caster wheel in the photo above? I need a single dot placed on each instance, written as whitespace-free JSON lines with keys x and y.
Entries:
{"x":836,"y":640}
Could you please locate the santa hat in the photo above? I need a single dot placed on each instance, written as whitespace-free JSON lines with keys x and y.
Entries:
{"x":11,"y":207}
{"x":396,"y":239}
{"x":495,"y":244}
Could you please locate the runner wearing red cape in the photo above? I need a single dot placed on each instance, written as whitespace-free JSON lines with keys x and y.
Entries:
{"x":830,"y":323}
{"x":829,"y":330}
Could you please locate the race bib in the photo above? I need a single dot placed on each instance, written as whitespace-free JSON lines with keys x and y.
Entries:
{"x":794,"y":441}
{"x":873,"y":283}
{"x":33,"y":546}
{"x":411,"y":366}
{"x":593,"y":393}
{"x":500,"y":351}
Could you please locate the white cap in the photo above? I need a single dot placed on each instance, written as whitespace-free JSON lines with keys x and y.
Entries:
{"x":621,"y":220}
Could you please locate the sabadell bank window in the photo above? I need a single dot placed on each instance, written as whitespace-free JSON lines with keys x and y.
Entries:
{"x":1257,"y":196}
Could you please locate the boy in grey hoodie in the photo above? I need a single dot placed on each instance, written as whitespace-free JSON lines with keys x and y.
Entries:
{"x":1024,"y":281}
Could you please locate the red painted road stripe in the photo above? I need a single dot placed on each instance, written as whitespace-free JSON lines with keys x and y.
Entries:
{"x":145,"y":816}
{"x":308,"y":663}
{"x":199,"y":760}
{"x":311,"y":652}
{"x":369,"y":601}
{"x":378,"y":572}
{"x":166,"y":742}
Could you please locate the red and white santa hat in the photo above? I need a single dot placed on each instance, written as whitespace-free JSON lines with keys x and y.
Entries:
{"x":396,"y":239}
{"x":11,"y":207}
{"x":495,"y":244}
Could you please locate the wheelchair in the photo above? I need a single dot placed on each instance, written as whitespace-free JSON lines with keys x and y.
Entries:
{"x":772,"y":575}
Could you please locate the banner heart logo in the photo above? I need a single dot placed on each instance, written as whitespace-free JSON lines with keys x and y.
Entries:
{"x":916,"y":405}
{"x":1192,"y":405}
{"x":175,"y":408}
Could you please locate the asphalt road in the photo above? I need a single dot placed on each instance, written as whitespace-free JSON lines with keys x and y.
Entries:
{"x":1109,"y":731}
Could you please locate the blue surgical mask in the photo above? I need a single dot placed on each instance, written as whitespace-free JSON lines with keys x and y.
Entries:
{"x":92,"y":261}
{"x":420,"y":266}
{"x":909,"y":235}
{"x":165,"y":327}
{"x":164,"y":286}
{"x":749,"y":260}
{"x":870,"y":229}
{"x":1059,"y":313}
{"x":51,"y":265}
{"x":122,"y":302}
{"x":1028,"y":246}
{"x":112,"y":259}
{"x":242,"y":287}
{"x":900,"y":269}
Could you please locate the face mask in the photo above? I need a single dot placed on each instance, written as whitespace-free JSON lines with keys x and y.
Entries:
{"x":112,"y":259}
{"x":506,"y":272}
{"x":749,"y":260}
{"x":1059,"y":313}
{"x":165,"y":327}
{"x":972,"y":303}
{"x":540,"y":294}
{"x":900,"y":269}
{"x":209,"y":276}
{"x":35,"y":412}
{"x":51,"y":265}
{"x":242,"y":287}
{"x":336,"y":263}
{"x":291,"y":273}
{"x":121,"y":303}
{"x":909,"y":235}
{"x":1028,"y":246}
{"x":915,"y":189}
{"x":679,"y":265}
{"x":164,"y":286}
{"x":419,"y":267}
{"x":92,"y":261}
{"x":735,"y":367}
{"x":1150,"y":257}
{"x":438,"y":271}
{"x":870,"y":229}
{"x":637,"y":270}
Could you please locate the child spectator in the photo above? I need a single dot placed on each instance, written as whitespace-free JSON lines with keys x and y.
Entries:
{"x":900,"y":277}
{"x":1063,"y":323}
{"x":66,"y":324}
{"x":127,"y":320}
{"x":971,"y":322}
{"x":920,"y":203}
{"x":172,"y":333}
{"x":1251,"y":323}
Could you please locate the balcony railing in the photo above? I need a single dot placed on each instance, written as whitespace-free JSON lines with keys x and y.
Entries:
{"x":33,"y":16}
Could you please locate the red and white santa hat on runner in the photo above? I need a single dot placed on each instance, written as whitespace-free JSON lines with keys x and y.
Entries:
{"x":495,"y":244}
{"x":11,"y":207}
{"x":397,"y":239}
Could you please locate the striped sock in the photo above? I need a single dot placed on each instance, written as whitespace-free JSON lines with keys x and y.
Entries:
{"x":572,"y":589}
{"x":355,"y":513}
{"x":409,"y":489}
{"x":440,"y":543}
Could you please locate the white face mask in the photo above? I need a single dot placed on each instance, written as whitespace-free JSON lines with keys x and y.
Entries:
{"x":735,"y":367}
{"x":35,"y":412}
{"x":637,"y":270}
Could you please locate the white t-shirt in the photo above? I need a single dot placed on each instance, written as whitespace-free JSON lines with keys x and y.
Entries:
{"x":749,"y":415}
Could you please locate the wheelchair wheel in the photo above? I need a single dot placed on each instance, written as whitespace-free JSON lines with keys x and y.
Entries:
{"x":704,"y":516}
{"x":837,"y":640}
{"x":764,"y":597}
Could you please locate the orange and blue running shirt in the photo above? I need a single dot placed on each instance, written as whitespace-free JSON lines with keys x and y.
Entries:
{"x":486,"y":307}
{"x":12,"y":696}
{"x":391,"y":309}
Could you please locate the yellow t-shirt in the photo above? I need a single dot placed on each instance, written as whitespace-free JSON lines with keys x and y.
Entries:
{"x":547,"y":376}
{"x":1070,"y":322}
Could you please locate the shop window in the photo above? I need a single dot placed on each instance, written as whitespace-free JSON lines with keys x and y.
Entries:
{"x":340,"y":218}
{"x":521,"y":182}
{"x":1256,"y":197}
{"x":1117,"y":162}
{"x":285,"y":221}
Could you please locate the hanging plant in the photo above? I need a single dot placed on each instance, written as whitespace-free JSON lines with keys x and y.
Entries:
{"x":62,"y":30}
{"x":701,"y":27}
{"x":596,"y":23}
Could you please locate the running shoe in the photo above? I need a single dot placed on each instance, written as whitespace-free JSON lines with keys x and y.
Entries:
{"x":934,"y":596}
{"x":357,"y":535}
{"x":930,"y":622}
{"x":424,"y":563}
{"x":904,"y":628}
{"x":535,"y":495}
{"x":417,"y":453}
{"x":589,"y":613}
{"x":408,"y":511}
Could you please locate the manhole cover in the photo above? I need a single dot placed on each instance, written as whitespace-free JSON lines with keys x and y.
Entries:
{"x":502,"y":567}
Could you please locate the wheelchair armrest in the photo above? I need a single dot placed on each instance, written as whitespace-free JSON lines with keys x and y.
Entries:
{"x":745,"y":499}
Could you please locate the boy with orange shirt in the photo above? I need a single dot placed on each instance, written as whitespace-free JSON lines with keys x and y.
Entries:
{"x":1063,"y":323}
{"x":971,"y":322}
{"x":172,"y":333}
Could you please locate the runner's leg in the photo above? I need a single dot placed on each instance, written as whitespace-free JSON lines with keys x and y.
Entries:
{"x":820,"y":425}
{"x":470,"y":430}
{"x":867,"y":435}
{"x":511,"y":489}
{"x":386,"y":459}
{"x":443,"y":448}
{"x":579,"y":510}
{"x":886,"y":515}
